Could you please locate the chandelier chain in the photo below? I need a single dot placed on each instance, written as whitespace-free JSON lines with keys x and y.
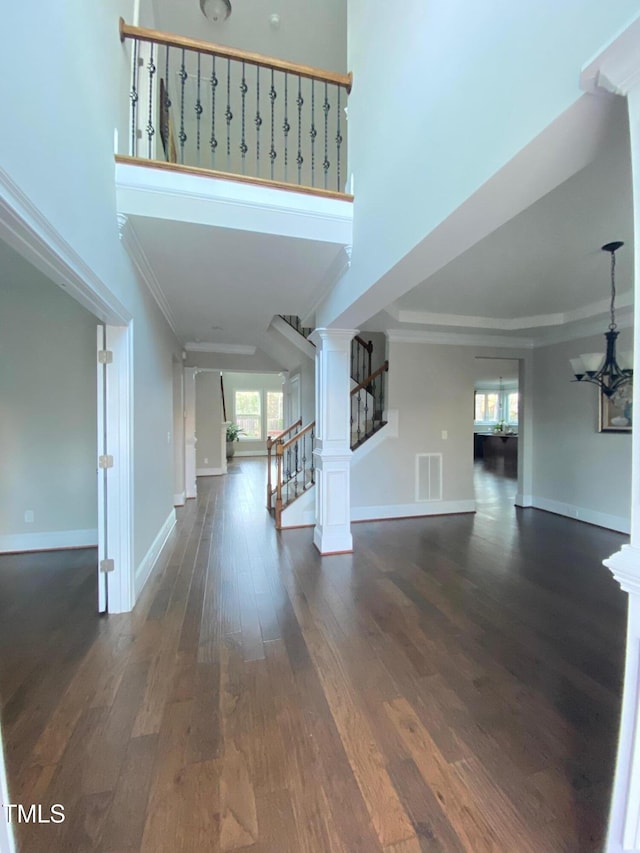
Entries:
{"x":613,"y":325}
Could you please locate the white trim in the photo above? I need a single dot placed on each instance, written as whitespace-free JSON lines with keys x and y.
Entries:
{"x":142,"y":264}
{"x":523,"y":500}
{"x":332,"y":276}
{"x":591,"y":516}
{"x":179,"y":500}
{"x":508,"y":324}
{"x":162,"y":194}
{"x":232,"y":349}
{"x":150,"y":559}
{"x":412,"y":510}
{"x":31,"y":234}
{"x":209,"y":472}
{"x":412,"y":336}
{"x":249,"y":453}
{"x":49,"y":540}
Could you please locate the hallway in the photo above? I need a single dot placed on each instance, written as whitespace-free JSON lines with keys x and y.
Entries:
{"x":454,"y":685}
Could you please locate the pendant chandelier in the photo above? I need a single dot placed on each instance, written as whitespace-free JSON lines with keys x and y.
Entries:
{"x":604,"y":370}
{"x":215,"y":10}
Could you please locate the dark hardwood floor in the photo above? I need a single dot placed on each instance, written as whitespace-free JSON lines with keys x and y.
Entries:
{"x":454,"y":685}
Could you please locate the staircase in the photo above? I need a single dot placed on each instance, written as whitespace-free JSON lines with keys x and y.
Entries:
{"x":290,"y":465}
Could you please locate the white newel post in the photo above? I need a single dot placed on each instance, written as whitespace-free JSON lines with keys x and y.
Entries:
{"x":617,"y":69}
{"x":332,"y":454}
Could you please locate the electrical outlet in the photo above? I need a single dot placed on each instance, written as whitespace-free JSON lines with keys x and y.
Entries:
{"x":445,"y":434}
{"x":29,"y":516}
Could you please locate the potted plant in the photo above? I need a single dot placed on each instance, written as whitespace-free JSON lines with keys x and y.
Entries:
{"x":233,"y":434}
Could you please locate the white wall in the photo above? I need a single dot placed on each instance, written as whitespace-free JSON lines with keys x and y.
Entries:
{"x":445,"y":94}
{"x":577,"y":470}
{"x":307,"y":373}
{"x":431,"y":387}
{"x":210,"y":458}
{"x":262,"y":382}
{"x":69,"y":181}
{"x":47,"y":412}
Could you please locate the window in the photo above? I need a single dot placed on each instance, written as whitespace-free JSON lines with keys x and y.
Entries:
{"x":248,"y":414}
{"x":487,"y":405}
{"x":275,"y":416}
{"x":512,"y":407}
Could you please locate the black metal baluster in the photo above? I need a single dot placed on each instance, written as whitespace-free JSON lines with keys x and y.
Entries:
{"x":299,"y":102}
{"x":183,"y":79}
{"x":304,"y":462}
{"x":258,"y":121}
{"x":359,"y":408}
{"x":366,"y":407}
{"x":313,"y":132}
{"x":286,"y":127}
{"x":198,"y":109}
{"x":228,"y":115}
{"x":133,"y":97}
{"x":382,"y":382}
{"x":243,"y":144}
{"x":272,"y":97}
{"x":151,"y":68}
{"x":167,"y":107}
{"x":313,"y":467}
{"x":325,"y":163}
{"x":295,"y":485}
{"x":213,"y":142}
{"x":338,"y":143}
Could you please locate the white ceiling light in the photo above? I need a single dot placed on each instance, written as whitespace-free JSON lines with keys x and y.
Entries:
{"x":216,"y":10}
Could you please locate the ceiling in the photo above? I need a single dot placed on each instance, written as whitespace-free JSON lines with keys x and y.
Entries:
{"x":547,"y":260}
{"x":309,"y":33}
{"x":231,"y":279}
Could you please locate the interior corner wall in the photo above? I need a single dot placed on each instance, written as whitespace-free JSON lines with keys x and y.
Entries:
{"x":48,"y":412}
{"x":70,"y":189}
{"x":577,"y":471}
{"x":431,"y":388}
{"x":209,"y":424}
{"x":422,"y":69}
{"x":307,"y":373}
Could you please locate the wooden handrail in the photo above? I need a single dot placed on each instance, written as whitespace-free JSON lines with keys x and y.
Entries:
{"x":370,"y":379}
{"x":157,"y":37}
{"x":280,"y":449}
{"x":272,"y":439}
{"x":368,"y":345}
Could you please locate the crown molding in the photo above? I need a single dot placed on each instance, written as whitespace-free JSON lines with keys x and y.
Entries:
{"x":616,"y":69}
{"x":562,"y":318}
{"x":134,"y":249}
{"x":411,"y":336}
{"x":332,"y":276}
{"x":232,"y":349}
{"x":27,"y":230}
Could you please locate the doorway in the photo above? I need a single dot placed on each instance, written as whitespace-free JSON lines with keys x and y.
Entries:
{"x":496,"y":430}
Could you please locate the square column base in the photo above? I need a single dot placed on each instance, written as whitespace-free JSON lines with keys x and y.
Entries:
{"x":332,"y":533}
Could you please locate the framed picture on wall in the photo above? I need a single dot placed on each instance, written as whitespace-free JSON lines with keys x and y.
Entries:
{"x":616,"y":413}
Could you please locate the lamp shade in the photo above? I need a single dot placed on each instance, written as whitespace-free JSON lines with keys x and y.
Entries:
{"x":592,"y":361}
{"x":577,"y":366}
{"x":215,"y":10}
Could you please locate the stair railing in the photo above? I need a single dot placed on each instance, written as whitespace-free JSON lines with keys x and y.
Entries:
{"x":361,"y":351}
{"x":201,"y":106}
{"x":274,"y":441}
{"x":295,"y":468}
{"x":367,"y":406}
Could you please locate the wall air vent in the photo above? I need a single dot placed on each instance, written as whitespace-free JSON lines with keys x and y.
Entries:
{"x":428,"y":476}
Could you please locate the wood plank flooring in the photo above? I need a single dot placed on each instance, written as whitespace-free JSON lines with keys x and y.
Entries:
{"x":454,"y":685}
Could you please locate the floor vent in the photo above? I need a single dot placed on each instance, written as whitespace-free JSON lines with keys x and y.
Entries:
{"x":428,"y":476}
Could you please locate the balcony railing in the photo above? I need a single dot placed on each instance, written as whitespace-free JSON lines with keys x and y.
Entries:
{"x":200,"y":106}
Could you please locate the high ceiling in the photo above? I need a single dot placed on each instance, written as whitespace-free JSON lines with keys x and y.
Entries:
{"x":546,"y":260}
{"x":309,"y":33}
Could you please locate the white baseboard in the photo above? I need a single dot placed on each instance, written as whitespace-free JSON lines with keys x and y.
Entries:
{"x":179,"y":500}
{"x":579,"y":513}
{"x":412,"y":510}
{"x":523,"y":500}
{"x":148,"y":562}
{"x":210,"y":472}
{"x":250,"y":453}
{"x":54,"y":540}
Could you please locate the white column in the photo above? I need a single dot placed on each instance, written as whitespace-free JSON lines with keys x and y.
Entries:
{"x":617,"y":69}
{"x":332,"y":454}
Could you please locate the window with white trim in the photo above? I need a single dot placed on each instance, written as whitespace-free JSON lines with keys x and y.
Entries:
{"x":247,"y":406}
